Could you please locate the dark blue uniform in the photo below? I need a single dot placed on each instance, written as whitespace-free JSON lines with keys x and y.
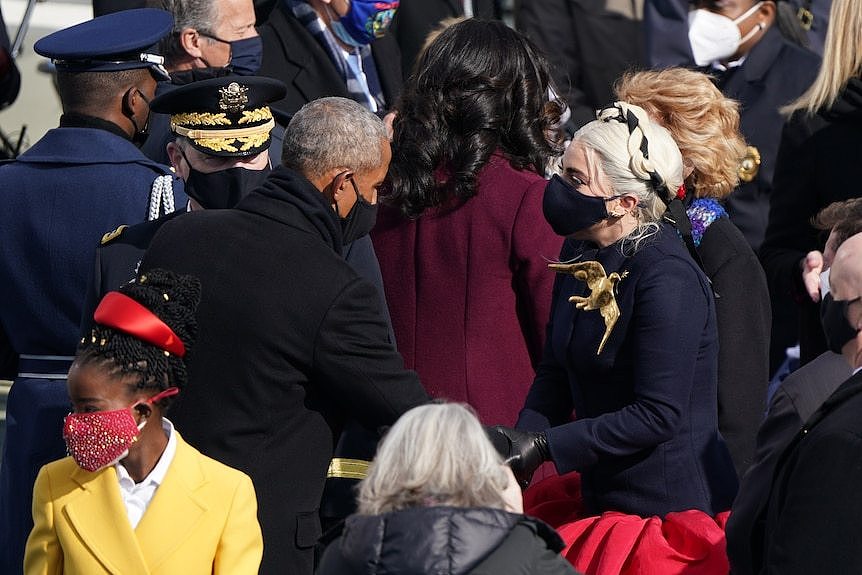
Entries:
{"x":59,"y":198}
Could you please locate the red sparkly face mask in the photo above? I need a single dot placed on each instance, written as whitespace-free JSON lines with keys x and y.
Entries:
{"x":99,"y":439}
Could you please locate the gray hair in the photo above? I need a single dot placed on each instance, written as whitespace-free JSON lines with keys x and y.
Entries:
{"x":201,"y":15}
{"x":436,"y":454}
{"x":331,"y":133}
{"x":629,"y":171}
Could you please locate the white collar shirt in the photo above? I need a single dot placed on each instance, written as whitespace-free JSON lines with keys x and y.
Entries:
{"x":137,"y":496}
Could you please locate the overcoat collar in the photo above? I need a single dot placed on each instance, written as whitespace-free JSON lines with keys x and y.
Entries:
{"x":86,"y":146}
{"x":762,"y":57}
{"x":171,"y":518}
{"x":287,"y":197}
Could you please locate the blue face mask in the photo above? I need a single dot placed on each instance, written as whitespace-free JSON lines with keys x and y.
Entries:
{"x":246,"y":56}
{"x":365,"y":21}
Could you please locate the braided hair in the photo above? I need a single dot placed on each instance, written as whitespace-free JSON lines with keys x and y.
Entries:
{"x":639,"y":157}
{"x":173,"y":298}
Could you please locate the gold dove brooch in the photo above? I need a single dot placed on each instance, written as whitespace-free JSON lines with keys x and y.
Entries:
{"x":601,"y":295}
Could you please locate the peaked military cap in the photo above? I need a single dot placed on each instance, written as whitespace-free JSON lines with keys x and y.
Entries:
{"x":226,"y":116}
{"x":123,"y":40}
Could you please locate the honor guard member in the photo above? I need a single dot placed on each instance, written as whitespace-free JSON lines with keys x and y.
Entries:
{"x":59,"y":197}
{"x":223,"y":131}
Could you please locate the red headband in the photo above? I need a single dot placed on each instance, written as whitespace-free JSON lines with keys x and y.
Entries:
{"x":124,"y":314}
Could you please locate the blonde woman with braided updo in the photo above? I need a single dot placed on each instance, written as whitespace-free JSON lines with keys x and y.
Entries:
{"x":632,"y":350}
{"x":705,"y":126}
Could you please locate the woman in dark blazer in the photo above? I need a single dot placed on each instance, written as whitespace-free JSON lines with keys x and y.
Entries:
{"x":820,"y":145}
{"x":632,"y":350}
{"x":705,"y":126}
{"x":462,"y":243}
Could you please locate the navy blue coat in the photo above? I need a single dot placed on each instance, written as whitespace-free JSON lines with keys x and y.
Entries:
{"x":646,"y":437}
{"x":58,"y":199}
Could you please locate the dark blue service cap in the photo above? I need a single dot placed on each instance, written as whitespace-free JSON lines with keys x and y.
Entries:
{"x":227,"y":116}
{"x":123,"y":40}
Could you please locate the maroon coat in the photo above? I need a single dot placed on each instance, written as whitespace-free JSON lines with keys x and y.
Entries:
{"x":469,"y":291}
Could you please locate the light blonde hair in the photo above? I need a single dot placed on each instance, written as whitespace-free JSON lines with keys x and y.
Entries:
{"x":626,"y":167}
{"x":436,"y":454}
{"x":703,"y":122}
{"x":842,"y":59}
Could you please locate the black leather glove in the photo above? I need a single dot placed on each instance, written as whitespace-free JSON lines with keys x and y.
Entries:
{"x":523,"y":451}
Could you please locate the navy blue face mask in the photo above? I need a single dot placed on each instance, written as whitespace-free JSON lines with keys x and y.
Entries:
{"x":246,"y":56}
{"x":570,"y":211}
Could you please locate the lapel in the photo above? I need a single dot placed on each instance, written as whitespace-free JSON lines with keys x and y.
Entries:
{"x":99,"y":518}
{"x":313,"y":71}
{"x":176,"y":509}
{"x":755,"y":68}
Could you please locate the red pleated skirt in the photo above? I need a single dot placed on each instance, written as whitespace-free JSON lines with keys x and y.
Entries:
{"x":683,"y":543}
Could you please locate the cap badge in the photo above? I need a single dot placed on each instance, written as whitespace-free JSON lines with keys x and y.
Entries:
{"x":233,"y":98}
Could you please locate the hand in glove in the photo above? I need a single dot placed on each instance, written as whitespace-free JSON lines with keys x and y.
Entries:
{"x":524,"y":451}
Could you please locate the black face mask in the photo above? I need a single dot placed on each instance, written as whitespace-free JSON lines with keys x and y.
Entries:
{"x":222,"y":189}
{"x":360,"y":220}
{"x":568,"y":210}
{"x":833,"y":318}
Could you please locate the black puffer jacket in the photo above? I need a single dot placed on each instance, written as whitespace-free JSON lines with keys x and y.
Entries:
{"x":445,"y":541}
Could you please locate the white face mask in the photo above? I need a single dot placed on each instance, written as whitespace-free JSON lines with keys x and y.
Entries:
{"x":824,"y":283}
{"x":715,"y":37}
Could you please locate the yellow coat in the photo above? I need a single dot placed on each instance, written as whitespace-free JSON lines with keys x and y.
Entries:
{"x":202,"y":520}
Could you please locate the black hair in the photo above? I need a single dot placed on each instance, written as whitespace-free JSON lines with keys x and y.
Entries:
{"x":173,"y":298}
{"x":84,"y":92}
{"x":478,"y":87}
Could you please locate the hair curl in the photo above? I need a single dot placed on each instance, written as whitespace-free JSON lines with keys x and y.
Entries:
{"x":703,"y":122}
{"x":173,"y":298}
{"x":435,"y":454}
{"x":479,"y":87}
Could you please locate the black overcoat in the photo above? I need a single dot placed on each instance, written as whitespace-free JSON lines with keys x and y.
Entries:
{"x":292,"y":342}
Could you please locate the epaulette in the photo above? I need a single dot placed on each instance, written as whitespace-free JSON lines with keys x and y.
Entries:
{"x":113,"y":235}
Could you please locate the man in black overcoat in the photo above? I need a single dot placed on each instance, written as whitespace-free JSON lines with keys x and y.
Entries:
{"x":292,"y":340}
{"x":812,"y":522}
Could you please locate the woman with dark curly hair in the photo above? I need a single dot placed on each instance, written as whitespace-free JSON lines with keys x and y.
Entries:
{"x":462,"y":242}
{"x":134,"y":497}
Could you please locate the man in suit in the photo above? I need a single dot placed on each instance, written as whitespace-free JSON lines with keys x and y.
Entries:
{"x":323,"y":48}
{"x":210,"y":38}
{"x":217,"y":170}
{"x":812,"y":519}
{"x":59,"y":197}
{"x":293,"y":342}
{"x":791,"y":404}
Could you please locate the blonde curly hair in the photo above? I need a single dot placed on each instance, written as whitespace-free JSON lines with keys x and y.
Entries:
{"x":703,"y":122}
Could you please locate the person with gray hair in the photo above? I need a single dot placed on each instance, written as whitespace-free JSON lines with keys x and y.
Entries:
{"x":322,"y":136}
{"x":439,"y":499}
{"x":293,"y":341}
{"x":209,"y":39}
{"x":632,"y":351}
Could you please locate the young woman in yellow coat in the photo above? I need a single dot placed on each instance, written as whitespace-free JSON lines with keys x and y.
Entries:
{"x":134,"y":498}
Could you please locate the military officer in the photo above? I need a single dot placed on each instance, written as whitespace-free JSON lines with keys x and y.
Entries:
{"x":59,"y":197}
{"x":223,"y":130}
